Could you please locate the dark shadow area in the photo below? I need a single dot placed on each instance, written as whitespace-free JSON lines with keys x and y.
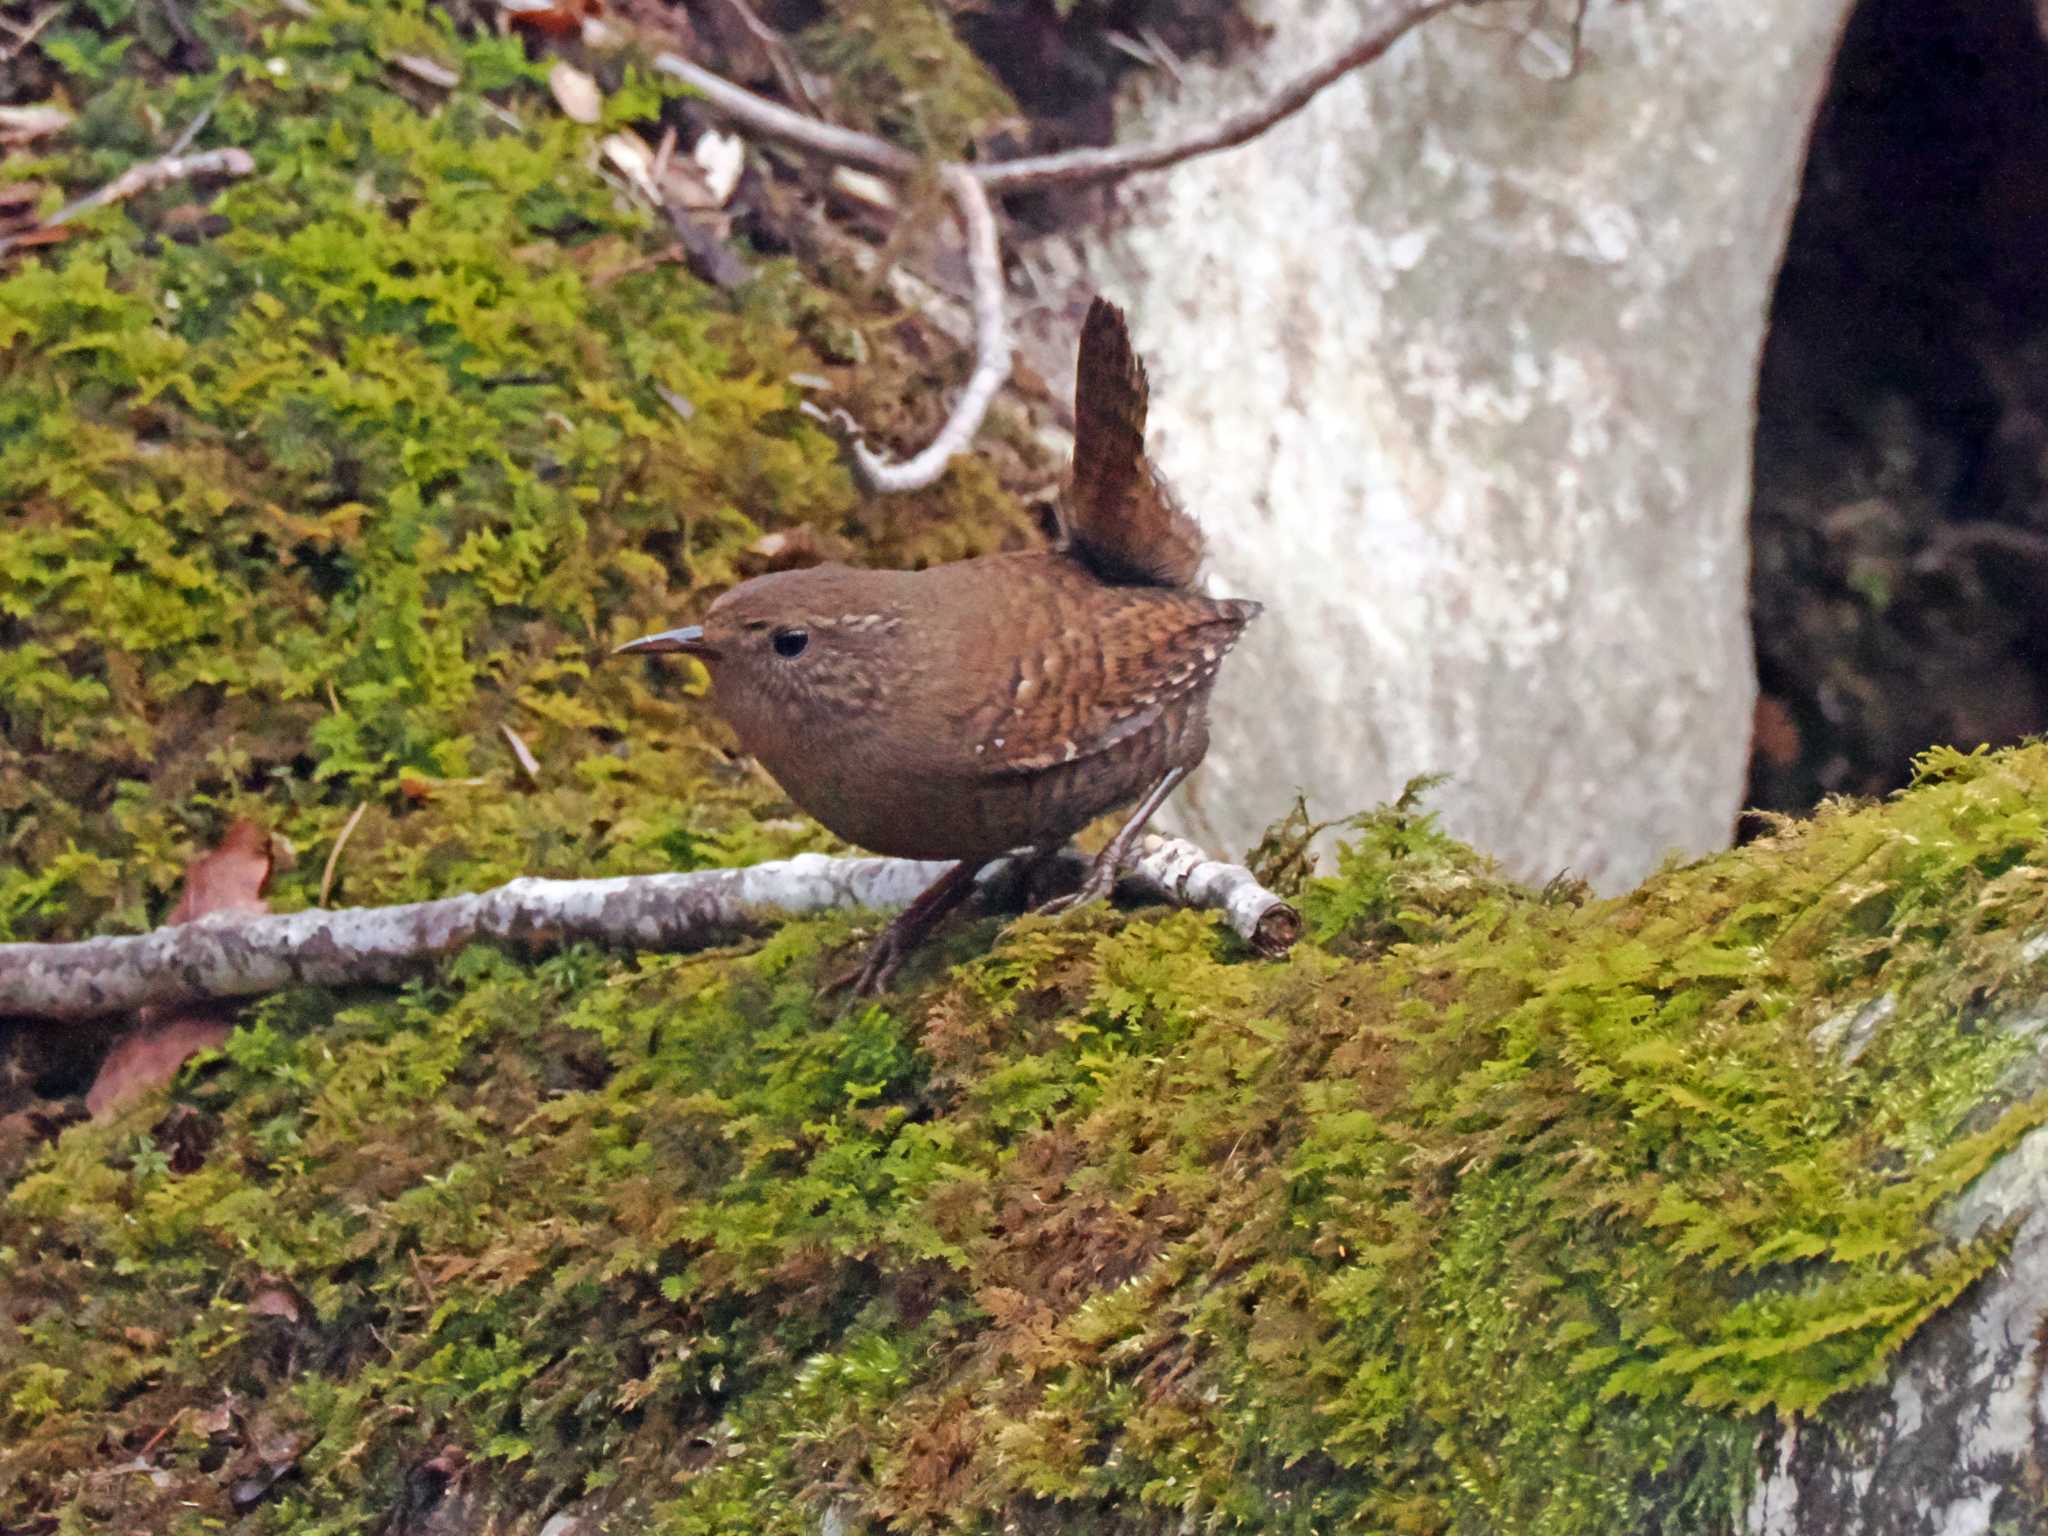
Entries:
{"x":1900,"y":524}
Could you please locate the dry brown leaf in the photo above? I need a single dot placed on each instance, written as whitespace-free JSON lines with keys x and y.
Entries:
{"x":232,"y":878}
{"x":275,"y":1301}
{"x":558,"y":18}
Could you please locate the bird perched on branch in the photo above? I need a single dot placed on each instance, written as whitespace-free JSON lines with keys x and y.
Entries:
{"x":991,"y":704}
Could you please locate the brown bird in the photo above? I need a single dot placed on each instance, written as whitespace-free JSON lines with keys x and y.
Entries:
{"x":991,"y":704}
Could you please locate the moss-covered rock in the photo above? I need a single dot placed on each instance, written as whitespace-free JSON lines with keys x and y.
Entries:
{"x":1488,"y":1209}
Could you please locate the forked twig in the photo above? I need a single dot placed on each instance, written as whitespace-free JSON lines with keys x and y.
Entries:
{"x":992,"y":353}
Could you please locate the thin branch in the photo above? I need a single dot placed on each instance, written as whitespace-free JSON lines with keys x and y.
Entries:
{"x":215,"y":958}
{"x":969,"y":186}
{"x":991,"y":356}
{"x":140,"y":178}
{"x":787,"y":73}
{"x":1074,"y":167}
{"x":1082,"y":167}
{"x":334,"y":854}
{"x":1174,"y":870}
{"x":23,"y":36}
{"x":772,"y":121}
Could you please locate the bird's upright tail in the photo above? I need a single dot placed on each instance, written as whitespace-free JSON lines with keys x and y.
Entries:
{"x":1116,"y":514}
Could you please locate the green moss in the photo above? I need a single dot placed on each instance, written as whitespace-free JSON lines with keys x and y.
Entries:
{"x":306,"y":511}
{"x":1525,"y":1222}
{"x":900,"y":70}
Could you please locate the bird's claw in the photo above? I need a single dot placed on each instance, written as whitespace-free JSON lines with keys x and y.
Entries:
{"x":1101,"y":880}
{"x":877,"y":968}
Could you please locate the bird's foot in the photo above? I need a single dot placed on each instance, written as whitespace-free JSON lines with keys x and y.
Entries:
{"x":877,"y":968}
{"x":1099,"y":882}
{"x":912,"y":926}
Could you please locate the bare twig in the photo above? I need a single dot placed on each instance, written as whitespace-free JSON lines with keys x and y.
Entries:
{"x":776,"y":51}
{"x":773,"y":121}
{"x":140,"y":178}
{"x":1074,"y":167}
{"x":334,"y":854}
{"x":1082,"y":167}
{"x":522,"y":754}
{"x":214,"y":958}
{"x":190,"y":136}
{"x":991,"y":355}
{"x":1174,"y":870}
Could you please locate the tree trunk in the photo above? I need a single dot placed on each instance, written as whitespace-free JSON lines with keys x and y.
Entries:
{"x":1458,"y":368}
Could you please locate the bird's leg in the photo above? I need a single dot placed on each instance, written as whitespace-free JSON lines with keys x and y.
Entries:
{"x":1101,"y":879}
{"x":910,"y":928}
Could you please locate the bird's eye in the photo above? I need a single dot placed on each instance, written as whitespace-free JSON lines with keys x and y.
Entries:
{"x":790,"y":643}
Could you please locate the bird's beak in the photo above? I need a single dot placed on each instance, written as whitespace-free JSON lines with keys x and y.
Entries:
{"x":689,"y":640}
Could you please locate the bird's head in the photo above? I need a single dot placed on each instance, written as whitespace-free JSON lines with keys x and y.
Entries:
{"x":798,"y":655}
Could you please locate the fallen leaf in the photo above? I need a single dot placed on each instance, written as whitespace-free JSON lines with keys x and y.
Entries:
{"x":1776,"y":734}
{"x":575,"y":92}
{"x":230,"y":879}
{"x":149,"y":1056}
{"x":529,"y":767}
{"x":631,"y":157}
{"x":721,"y":157}
{"x":558,"y":18}
{"x":275,"y":1301}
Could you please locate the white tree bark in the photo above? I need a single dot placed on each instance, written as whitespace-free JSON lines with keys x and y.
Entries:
{"x":1457,"y":367}
{"x":233,"y":954}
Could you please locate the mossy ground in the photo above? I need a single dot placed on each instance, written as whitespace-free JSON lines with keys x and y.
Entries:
{"x":1487,"y":1210}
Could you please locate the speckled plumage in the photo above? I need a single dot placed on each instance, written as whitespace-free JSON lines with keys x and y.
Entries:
{"x":995,"y":703}
{"x":972,"y":708}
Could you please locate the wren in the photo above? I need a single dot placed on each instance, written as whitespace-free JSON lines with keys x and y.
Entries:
{"x":991,"y":704}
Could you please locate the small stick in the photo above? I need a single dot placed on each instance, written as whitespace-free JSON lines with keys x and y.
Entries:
{"x":140,"y":178}
{"x":214,"y":958}
{"x":529,"y":766}
{"x":23,"y":36}
{"x":992,"y":353}
{"x":334,"y":854}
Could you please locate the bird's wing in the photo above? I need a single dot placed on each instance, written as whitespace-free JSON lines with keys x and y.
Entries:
{"x":1116,"y":515}
{"x":1075,"y":695}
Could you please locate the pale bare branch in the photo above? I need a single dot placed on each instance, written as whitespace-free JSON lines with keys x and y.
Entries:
{"x":769,"y":120}
{"x":214,"y":958}
{"x":1081,"y":167}
{"x":140,"y":178}
{"x":1074,"y":167}
{"x":992,"y":352}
